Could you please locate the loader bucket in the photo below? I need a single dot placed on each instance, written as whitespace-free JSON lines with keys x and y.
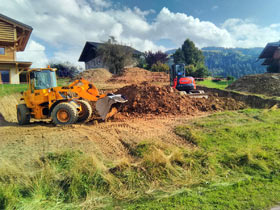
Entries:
{"x":103,"y":105}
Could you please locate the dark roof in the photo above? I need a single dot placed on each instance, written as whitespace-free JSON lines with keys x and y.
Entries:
{"x":15,"y":22}
{"x":90,"y":51}
{"x":269,"y":50}
{"x":267,"y":61}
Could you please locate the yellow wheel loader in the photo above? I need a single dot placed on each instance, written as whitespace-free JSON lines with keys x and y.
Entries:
{"x":64,"y":105}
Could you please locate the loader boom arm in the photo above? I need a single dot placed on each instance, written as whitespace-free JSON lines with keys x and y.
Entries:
{"x":86,"y":90}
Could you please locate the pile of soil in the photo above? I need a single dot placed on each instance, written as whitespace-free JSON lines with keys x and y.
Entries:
{"x":146,"y":99}
{"x":95,"y":75}
{"x":137,"y":75}
{"x":8,"y":109}
{"x":266,"y":84}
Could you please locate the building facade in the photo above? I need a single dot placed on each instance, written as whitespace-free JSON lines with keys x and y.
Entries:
{"x":91,"y":59}
{"x":271,"y":55}
{"x":14,"y":36}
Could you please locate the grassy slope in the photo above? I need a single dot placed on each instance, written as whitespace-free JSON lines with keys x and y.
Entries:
{"x":211,"y":84}
{"x":234,"y":165}
{"x":241,"y":152}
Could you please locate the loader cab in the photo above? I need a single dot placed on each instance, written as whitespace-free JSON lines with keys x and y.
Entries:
{"x":42,"y":79}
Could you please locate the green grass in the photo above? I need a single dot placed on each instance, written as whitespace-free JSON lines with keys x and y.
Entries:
{"x":211,"y":84}
{"x":234,"y":164}
{"x":7,"y":89}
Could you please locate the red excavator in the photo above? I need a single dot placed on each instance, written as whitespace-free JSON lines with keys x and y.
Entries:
{"x":181,"y":82}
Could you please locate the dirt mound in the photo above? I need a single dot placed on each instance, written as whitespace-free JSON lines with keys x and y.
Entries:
{"x":8,"y":107}
{"x":148,"y":99}
{"x":95,"y":75}
{"x":137,"y":75}
{"x":266,"y":84}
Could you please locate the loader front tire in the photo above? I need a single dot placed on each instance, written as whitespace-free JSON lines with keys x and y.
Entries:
{"x":64,"y":114}
{"x":23,"y":114}
{"x":86,"y":111}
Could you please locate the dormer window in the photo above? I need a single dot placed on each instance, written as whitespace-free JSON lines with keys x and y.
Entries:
{"x":2,"y":50}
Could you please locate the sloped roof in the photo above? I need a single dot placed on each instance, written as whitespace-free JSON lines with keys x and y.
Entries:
{"x":90,"y":51}
{"x":269,"y":50}
{"x":15,"y":22}
{"x":23,"y":31}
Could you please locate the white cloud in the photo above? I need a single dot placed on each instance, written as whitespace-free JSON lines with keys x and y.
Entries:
{"x":35,"y":53}
{"x":215,"y":7}
{"x":246,"y":34}
{"x":101,"y":3}
{"x":179,"y":26}
{"x":67,"y":25}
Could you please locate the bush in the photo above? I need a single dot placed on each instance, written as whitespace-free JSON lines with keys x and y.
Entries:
{"x":196,"y":71}
{"x":160,"y":67}
{"x":154,"y":58}
{"x":66,"y":69}
{"x":116,"y":56}
{"x":230,"y":78}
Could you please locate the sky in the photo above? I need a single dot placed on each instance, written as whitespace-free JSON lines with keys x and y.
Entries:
{"x":61,"y":27}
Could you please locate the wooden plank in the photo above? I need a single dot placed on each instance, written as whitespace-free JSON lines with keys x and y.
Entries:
{"x":4,"y":29}
{"x":6,"y":32}
{"x":7,"y":35}
{"x":7,"y":39}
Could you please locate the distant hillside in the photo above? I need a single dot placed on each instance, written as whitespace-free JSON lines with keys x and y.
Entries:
{"x":235,"y":62}
{"x":170,"y":52}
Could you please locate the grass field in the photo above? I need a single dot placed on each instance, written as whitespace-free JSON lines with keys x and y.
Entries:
{"x":211,"y":84}
{"x":234,"y":163}
{"x":237,"y":161}
{"x":7,"y":89}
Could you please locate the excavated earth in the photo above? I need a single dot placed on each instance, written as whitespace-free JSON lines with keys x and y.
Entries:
{"x":137,"y":75}
{"x":146,"y":99}
{"x":95,"y":75}
{"x":265,"y":84}
{"x":151,"y":113}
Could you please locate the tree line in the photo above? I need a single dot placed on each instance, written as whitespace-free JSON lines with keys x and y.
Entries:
{"x":235,"y":62}
{"x":214,"y":61}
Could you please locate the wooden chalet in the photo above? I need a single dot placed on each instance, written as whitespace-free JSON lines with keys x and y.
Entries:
{"x":14,"y":36}
{"x":271,"y":53}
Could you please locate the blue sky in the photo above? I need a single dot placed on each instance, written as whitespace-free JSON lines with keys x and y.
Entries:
{"x":61,"y":27}
{"x":216,"y":11}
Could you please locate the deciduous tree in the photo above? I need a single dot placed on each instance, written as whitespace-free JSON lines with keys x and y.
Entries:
{"x":154,"y":58}
{"x":115,"y":55}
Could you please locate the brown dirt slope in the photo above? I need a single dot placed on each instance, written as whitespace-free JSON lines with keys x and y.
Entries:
{"x":95,"y":75}
{"x":8,"y":110}
{"x":147,"y":99}
{"x":266,"y":84}
{"x":105,"y":139}
{"x":137,"y":75}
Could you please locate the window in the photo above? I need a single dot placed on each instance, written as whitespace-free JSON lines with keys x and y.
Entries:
{"x":44,"y":79}
{"x":4,"y":76}
{"x":2,"y":50}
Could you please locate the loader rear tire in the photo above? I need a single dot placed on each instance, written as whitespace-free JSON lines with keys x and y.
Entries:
{"x":86,"y":111}
{"x":64,"y":114}
{"x":23,"y":114}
